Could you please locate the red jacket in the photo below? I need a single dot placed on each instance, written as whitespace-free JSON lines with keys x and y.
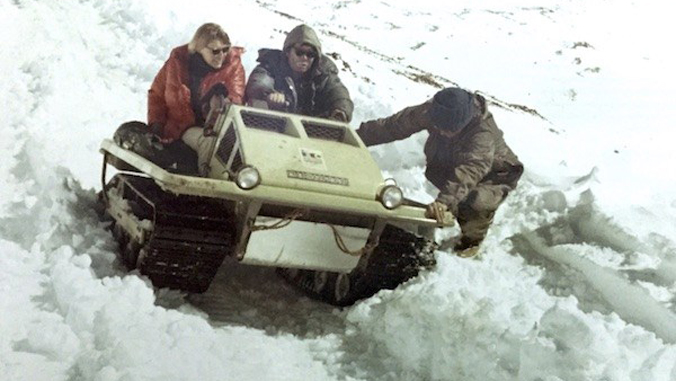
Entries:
{"x":169,"y":95}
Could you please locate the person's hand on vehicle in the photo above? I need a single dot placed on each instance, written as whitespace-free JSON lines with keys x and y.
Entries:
{"x":338,"y":115}
{"x":437,"y":211}
{"x":276,"y":98}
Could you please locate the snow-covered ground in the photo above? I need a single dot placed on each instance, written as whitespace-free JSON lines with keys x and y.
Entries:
{"x":577,"y":278}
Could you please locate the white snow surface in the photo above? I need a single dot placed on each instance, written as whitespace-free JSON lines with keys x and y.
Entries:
{"x":576,"y":279}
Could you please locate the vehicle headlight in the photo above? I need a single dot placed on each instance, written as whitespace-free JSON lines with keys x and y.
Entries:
{"x":247,"y":177}
{"x":391,"y":196}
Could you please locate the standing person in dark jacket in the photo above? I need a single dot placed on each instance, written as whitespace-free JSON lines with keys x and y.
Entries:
{"x":467,"y":158}
{"x":180,"y":96}
{"x":299,"y":79}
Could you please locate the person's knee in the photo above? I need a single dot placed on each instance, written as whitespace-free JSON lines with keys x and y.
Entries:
{"x":486,"y":198}
{"x":191,"y":137}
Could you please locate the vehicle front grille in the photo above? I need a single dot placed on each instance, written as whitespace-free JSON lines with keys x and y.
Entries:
{"x":227,"y":145}
{"x":236,"y":162}
{"x":321,"y":131}
{"x":263,"y":121}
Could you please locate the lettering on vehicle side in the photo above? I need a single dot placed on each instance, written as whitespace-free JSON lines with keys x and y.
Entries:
{"x":317,"y":177}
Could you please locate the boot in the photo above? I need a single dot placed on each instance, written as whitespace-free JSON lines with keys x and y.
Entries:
{"x":466,"y":247}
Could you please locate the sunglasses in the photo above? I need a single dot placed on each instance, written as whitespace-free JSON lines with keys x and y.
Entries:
{"x":309,"y":53}
{"x":222,"y":50}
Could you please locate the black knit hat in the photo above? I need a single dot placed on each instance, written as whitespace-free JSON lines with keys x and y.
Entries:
{"x":452,"y":109}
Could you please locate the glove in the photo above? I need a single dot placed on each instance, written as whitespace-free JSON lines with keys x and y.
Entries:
{"x":436,"y":210}
{"x":217,"y":89}
{"x":338,"y":115}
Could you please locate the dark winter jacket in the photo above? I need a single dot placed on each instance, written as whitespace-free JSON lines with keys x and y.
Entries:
{"x":477,"y":157}
{"x":171,"y":100}
{"x":318,"y":92}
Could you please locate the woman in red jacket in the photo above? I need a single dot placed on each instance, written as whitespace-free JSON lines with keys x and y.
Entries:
{"x":178,"y":99}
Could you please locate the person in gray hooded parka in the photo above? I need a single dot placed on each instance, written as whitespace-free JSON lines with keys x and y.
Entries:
{"x":299,"y":79}
{"x":467,"y":158}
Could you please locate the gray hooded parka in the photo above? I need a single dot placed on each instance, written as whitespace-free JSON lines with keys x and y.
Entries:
{"x":318,"y":92}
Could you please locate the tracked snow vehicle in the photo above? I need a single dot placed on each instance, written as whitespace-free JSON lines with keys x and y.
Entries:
{"x":297,"y":193}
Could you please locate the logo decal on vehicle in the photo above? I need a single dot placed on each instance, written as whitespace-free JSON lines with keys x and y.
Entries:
{"x":317,"y":177}
{"x":312,"y":158}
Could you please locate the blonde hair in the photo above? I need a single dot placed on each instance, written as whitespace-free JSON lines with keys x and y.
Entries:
{"x":205,"y":34}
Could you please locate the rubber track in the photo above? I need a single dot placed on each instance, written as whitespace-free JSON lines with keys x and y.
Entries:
{"x":191,"y":238}
{"x":399,"y":256}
